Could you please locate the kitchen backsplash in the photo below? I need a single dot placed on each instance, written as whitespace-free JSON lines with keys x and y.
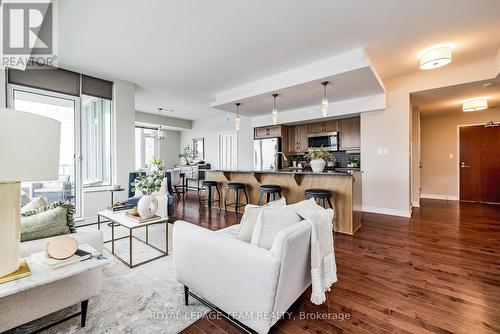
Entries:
{"x":342,"y":158}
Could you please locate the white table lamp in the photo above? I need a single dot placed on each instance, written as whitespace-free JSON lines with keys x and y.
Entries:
{"x":29,"y":151}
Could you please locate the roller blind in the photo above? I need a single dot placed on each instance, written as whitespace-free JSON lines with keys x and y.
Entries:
{"x":52,"y":79}
{"x":97,"y":87}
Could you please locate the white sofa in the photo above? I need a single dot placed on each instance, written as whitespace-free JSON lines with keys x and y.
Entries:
{"x":254,"y":285}
{"x":40,"y":301}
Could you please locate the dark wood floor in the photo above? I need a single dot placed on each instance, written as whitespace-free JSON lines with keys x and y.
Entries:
{"x":438,"y":272}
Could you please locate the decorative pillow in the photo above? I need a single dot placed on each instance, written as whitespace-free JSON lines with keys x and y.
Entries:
{"x":306,"y":208}
{"x":250,"y":217}
{"x":36,"y":203}
{"x":270,"y":222}
{"x":48,"y":221}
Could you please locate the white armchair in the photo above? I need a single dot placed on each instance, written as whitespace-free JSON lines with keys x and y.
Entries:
{"x":254,"y":285}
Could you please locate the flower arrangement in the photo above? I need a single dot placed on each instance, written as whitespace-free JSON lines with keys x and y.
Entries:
{"x":320,"y":153}
{"x":187,"y":154}
{"x":151,"y":181}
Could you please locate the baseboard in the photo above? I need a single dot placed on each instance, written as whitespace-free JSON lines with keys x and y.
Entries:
{"x":387,"y":211}
{"x":442,"y":197}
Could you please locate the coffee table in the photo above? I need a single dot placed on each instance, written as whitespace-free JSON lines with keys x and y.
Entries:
{"x":118,"y":219}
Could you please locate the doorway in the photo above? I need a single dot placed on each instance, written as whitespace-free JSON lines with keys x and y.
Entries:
{"x":480,"y":163}
{"x":228,"y":150}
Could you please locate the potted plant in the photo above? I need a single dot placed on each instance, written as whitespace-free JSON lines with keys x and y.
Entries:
{"x":186,"y":155}
{"x":318,"y":158}
{"x":147,"y":184}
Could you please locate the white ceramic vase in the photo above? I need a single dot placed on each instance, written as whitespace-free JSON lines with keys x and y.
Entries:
{"x":147,"y":206}
{"x":318,"y":165}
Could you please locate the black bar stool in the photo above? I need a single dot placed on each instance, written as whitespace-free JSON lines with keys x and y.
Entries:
{"x":207,"y":185}
{"x":269,"y":189}
{"x":236,"y":187}
{"x":320,"y":194}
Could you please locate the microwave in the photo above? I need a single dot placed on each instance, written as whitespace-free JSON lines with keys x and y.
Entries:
{"x":328,"y":140}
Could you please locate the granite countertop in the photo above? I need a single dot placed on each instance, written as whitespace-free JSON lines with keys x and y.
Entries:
{"x":283,"y":171}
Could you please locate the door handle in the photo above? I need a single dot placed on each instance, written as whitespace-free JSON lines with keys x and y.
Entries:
{"x":463,"y":165}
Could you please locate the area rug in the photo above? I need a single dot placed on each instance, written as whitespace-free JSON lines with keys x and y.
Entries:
{"x":145,"y":299}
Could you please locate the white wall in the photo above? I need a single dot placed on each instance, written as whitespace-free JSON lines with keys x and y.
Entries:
{"x":386,"y":178}
{"x":169,"y":148}
{"x":210,"y":128}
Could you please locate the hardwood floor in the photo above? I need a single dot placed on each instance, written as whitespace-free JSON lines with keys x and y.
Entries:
{"x":438,"y":272}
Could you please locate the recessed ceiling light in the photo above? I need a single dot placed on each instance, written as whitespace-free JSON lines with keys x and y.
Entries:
{"x":475,"y":104}
{"x":435,"y":56}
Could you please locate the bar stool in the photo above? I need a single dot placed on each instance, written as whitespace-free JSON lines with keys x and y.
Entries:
{"x":320,"y":194}
{"x":236,"y":187}
{"x":269,"y":189}
{"x":207,"y":185}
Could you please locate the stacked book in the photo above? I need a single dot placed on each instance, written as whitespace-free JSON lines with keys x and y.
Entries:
{"x":84,"y":252}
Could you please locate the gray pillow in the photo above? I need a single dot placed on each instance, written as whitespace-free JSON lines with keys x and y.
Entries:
{"x":48,"y":221}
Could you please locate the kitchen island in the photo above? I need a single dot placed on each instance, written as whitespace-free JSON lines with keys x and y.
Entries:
{"x":345,"y":186}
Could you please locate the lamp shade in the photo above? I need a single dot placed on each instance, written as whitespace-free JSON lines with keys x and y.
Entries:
{"x":29,"y":146}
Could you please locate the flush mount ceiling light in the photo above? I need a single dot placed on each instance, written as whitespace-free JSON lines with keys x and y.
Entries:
{"x":324,"y":101}
{"x":435,"y":56}
{"x":275,"y":110}
{"x":237,"y":119}
{"x":475,"y":104}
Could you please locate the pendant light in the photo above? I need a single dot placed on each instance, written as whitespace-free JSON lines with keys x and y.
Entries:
{"x":324,"y":101}
{"x":237,"y":120}
{"x":275,"y":110}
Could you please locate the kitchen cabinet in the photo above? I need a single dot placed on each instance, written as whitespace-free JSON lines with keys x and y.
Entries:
{"x":350,"y":134}
{"x":327,"y":126}
{"x":268,"y":132}
{"x":297,"y":138}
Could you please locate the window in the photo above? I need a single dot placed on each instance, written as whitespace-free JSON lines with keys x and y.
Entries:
{"x":146,"y":146}
{"x":96,"y":142}
{"x":65,"y":109}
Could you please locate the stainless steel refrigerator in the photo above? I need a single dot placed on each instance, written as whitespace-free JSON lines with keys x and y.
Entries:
{"x":264,"y":153}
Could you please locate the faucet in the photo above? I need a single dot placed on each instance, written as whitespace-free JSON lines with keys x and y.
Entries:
{"x":276,"y":155}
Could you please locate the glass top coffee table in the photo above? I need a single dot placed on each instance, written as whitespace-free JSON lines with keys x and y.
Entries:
{"x":118,"y":219}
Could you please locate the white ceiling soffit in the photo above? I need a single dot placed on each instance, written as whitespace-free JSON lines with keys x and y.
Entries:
{"x":450,"y":99}
{"x":351,"y":75}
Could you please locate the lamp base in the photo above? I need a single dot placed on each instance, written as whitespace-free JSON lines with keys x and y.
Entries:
{"x":10,"y":220}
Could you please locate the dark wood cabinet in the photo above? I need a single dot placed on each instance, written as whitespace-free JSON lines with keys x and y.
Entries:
{"x":327,"y":126}
{"x":297,"y":138}
{"x":268,"y":132}
{"x":350,"y":134}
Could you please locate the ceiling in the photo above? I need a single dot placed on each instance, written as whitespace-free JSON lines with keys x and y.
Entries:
{"x":449,"y":99}
{"x":181,"y":53}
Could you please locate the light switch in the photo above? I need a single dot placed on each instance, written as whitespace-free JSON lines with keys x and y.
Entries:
{"x":450,"y":156}
{"x":386,"y":150}
{"x":379,"y":151}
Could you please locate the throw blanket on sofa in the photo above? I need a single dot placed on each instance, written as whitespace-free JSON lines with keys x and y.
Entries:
{"x":323,"y":267}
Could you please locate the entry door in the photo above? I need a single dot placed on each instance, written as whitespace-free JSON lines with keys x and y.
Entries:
{"x":480,"y":164}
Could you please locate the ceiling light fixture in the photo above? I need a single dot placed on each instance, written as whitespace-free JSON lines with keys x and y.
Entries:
{"x":324,"y":101}
{"x":475,"y":104}
{"x":435,"y":56}
{"x":237,"y":119}
{"x":275,"y":110}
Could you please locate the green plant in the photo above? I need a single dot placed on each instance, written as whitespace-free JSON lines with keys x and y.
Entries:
{"x":187,"y":153}
{"x":150,"y":182}
{"x":319,"y":153}
{"x":295,"y":157}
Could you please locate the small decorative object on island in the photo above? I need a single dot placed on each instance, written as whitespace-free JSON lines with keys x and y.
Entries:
{"x":318,"y":158}
{"x":186,"y":155}
{"x":147,"y":185}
